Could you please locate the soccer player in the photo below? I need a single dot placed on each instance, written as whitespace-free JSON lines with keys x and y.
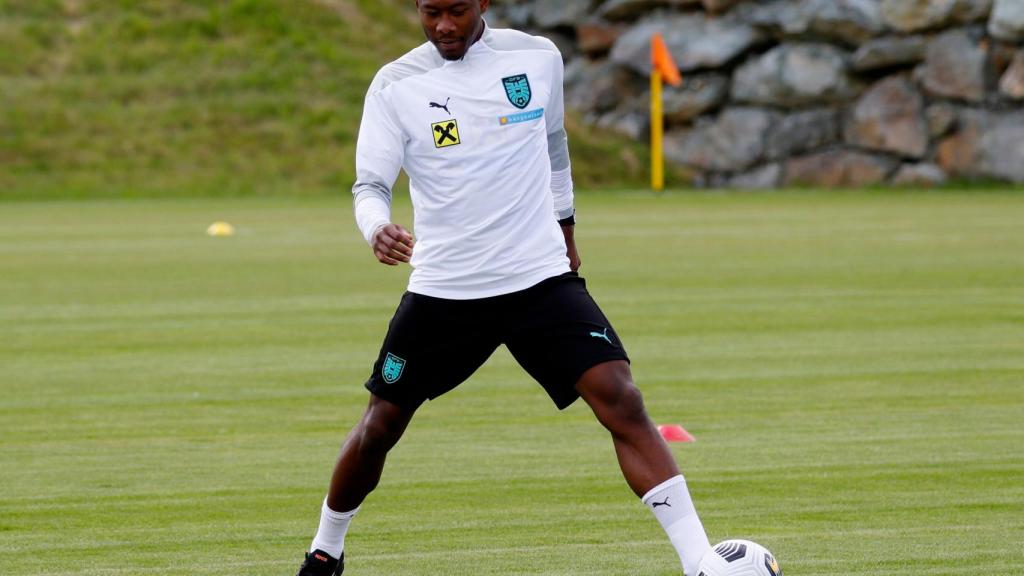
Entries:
{"x":475,"y":116}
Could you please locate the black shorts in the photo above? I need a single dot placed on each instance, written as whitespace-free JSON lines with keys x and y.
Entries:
{"x":554,"y":330}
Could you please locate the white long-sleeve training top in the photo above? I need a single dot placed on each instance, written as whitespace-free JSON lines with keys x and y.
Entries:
{"x":483,"y":143}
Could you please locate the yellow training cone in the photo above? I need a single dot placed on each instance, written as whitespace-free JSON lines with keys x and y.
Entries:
{"x":221,"y":229}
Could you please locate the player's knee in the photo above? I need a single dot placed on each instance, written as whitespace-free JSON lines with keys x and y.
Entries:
{"x":625,"y":410}
{"x":630,"y":406}
{"x":376,"y":436}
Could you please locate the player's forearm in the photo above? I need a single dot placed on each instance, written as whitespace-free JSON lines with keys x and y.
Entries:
{"x":372,"y":210}
{"x":568,"y":232}
{"x":571,"y":252}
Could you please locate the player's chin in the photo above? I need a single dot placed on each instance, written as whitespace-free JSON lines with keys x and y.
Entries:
{"x":451,"y":50}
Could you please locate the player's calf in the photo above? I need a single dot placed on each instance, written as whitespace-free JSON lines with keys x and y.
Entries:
{"x":645,"y":459}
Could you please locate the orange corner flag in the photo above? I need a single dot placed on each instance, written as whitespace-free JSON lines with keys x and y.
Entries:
{"x":662,"y":61}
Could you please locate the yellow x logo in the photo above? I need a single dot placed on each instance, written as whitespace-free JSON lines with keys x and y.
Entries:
{"x":446,"y":133}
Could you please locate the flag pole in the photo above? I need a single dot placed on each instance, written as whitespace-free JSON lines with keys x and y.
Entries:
{"x":663,"y":69}
{"x":657,"y":134}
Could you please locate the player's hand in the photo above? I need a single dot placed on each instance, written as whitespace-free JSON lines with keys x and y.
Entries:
{"x":392,"y":244}
{"x":570,"y":248}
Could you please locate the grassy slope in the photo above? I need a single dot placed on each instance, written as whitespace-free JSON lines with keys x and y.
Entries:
{"x":851,"y":364}
{"x":193,"y":97}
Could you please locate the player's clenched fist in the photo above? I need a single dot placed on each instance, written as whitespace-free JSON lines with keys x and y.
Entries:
{"x":393,"y":244}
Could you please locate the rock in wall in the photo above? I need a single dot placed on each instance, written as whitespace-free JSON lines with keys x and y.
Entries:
{"x":803,"y":92}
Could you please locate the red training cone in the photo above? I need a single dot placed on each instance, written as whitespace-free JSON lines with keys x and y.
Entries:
{"x":675,"y":433}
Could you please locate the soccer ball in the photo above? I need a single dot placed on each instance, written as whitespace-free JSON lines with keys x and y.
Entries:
{"x":739,"y":558}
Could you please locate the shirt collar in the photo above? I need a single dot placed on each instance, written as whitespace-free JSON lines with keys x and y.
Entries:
{"x":478,"y":49}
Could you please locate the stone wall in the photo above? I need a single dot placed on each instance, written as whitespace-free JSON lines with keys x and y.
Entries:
{"x":803,"y":92}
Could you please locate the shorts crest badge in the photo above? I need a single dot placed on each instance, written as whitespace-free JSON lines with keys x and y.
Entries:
{"x":517,"y":88}
{"x":393,"y":368}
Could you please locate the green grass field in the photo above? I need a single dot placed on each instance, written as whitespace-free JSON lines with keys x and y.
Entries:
{"x":852,"y":365}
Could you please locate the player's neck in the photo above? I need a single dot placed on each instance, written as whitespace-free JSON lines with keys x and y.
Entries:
{"x":476,"y":37}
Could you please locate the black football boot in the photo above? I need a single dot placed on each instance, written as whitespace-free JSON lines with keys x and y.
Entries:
{"x":320,"y":563}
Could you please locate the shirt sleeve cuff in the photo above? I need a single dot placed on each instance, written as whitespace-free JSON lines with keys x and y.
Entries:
{"x":371,"y":213}
{"x":562,"y":193}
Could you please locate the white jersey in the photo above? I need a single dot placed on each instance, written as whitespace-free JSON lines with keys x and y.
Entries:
{"x":473,"y":136}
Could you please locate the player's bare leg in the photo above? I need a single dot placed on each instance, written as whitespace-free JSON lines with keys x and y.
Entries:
{"x":356,"y":473}
{"x":644,"y":457}
{"x":362,"y":456}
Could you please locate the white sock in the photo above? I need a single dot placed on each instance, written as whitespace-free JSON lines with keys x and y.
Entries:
{"x":330,"y":537}
{"x":670,"y":501}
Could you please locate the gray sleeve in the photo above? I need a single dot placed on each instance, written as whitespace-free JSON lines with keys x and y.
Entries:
{"x":558,"y":140}
{"x":558,"y":145}
{"x":558,"y":150}
{"x":369,"y":185}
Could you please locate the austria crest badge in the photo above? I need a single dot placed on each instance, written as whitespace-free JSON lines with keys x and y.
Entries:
{"x":517,"y":88}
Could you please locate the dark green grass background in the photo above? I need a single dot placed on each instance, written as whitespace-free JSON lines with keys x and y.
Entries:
{"x":200,"y":98}
{"x":851,"y":363}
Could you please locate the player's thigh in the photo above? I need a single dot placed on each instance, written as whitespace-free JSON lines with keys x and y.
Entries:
{"x":432,"y":346}
{"x":560,"y":334}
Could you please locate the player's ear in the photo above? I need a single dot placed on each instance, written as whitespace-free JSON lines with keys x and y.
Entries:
{"x":483,"y":5}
